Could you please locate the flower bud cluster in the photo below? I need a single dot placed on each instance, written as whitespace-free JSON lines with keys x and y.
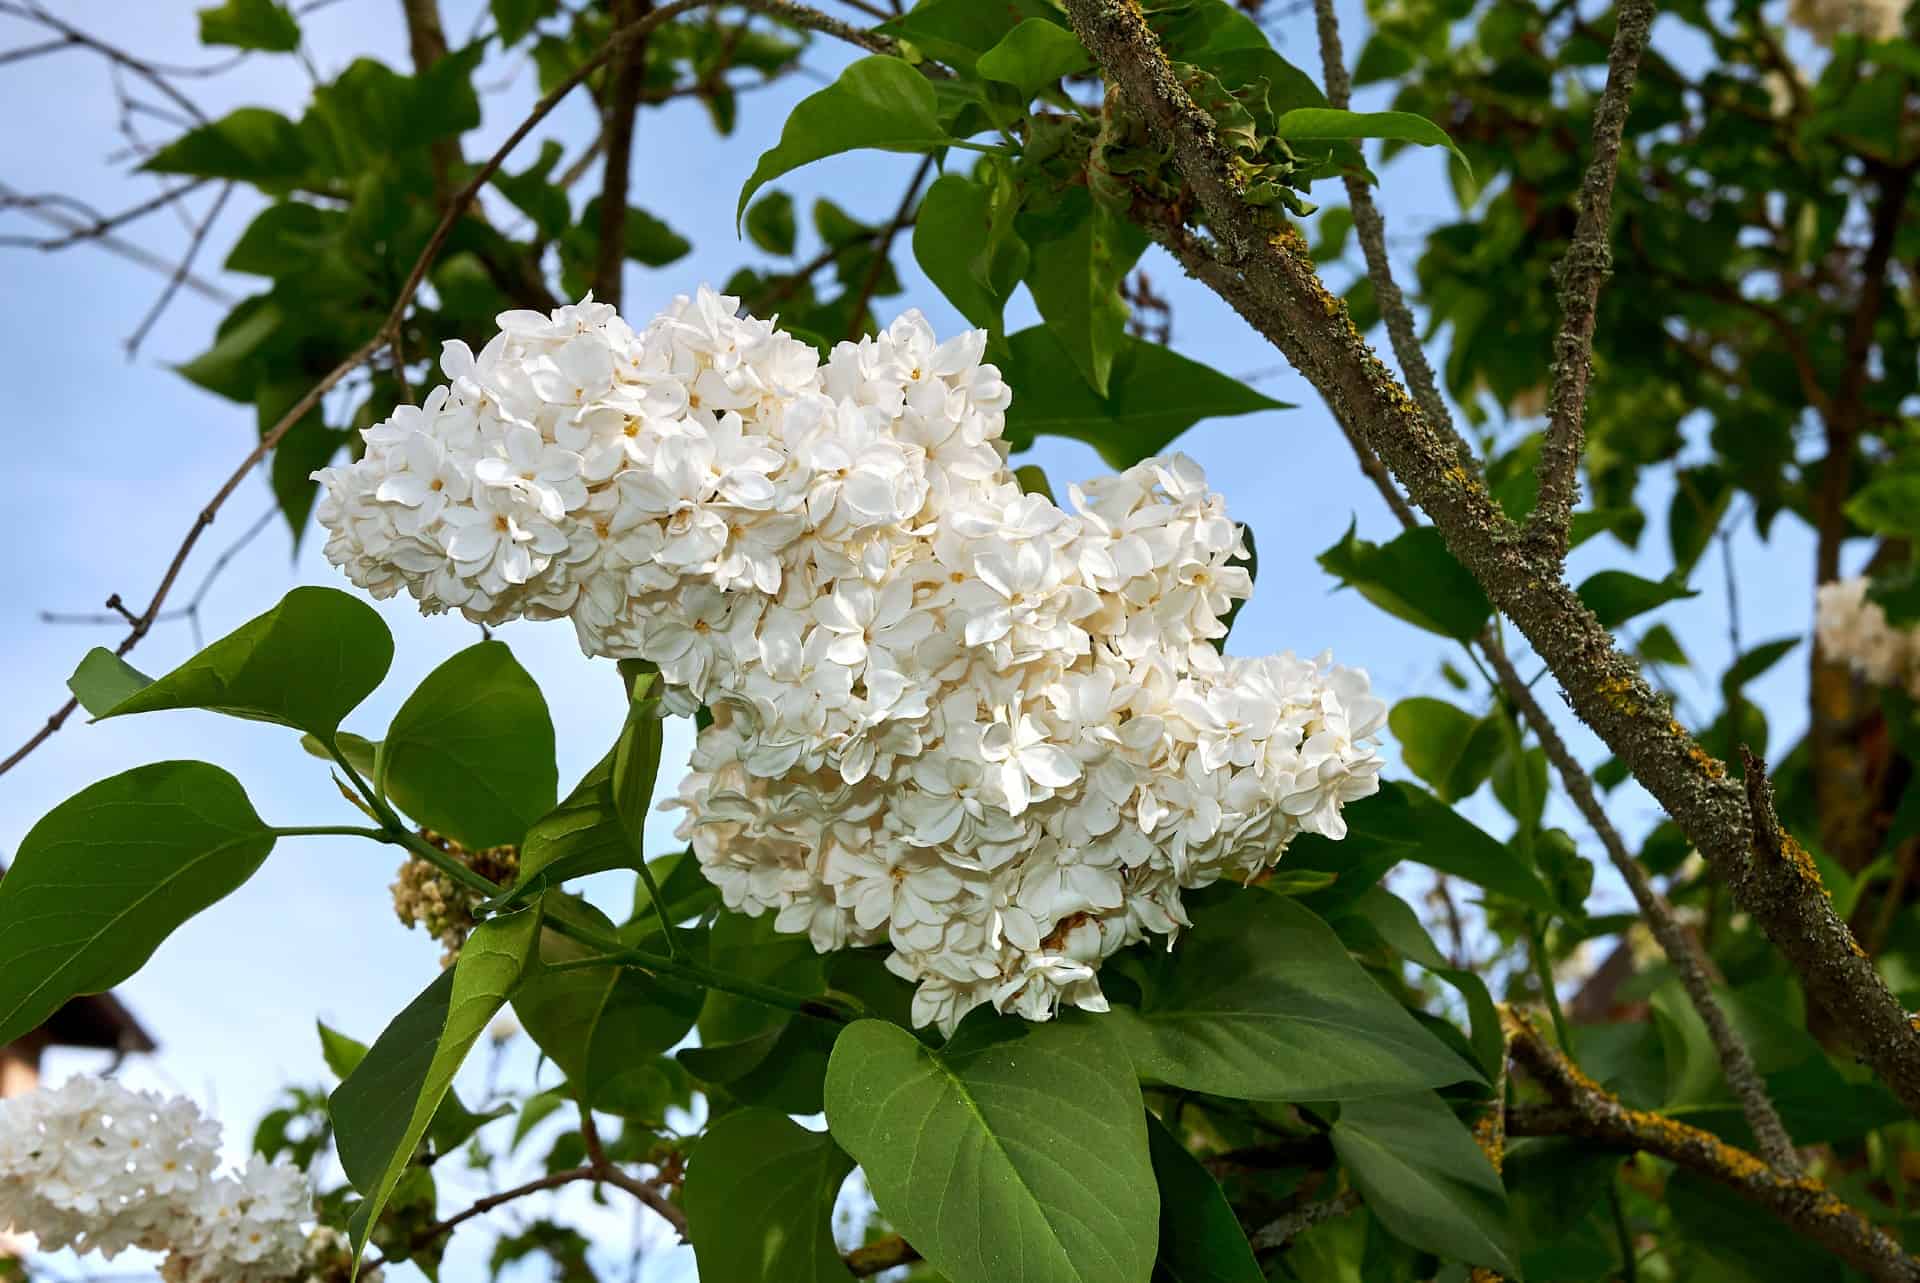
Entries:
{"x":95,"y":1166}
{"x":948,"y":716}
{"x":425,"y":897}
{"x":1854,"y":629}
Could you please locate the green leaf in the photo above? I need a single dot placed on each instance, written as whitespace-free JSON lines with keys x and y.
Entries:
{"x":1618,"y":595}
{"x":1756,"y":662}
{"x":1259,"y":1001}
{"x":470,"y":754}
{"x":306,"y":663}
{"x":759,"y":1199}
{"x":877,"y":102}
{"x":1398,"y":927}
{"x":1413,"y":577}
{"x":759,"y":1053}
{"x":1424,"y":1177}
{"x":1154,"y":395}
{"x":1449,"y":748}
{"x":341,"y":1052}
{"x":1200,"y":1237}
{"x":1080,"y":255}
{"x":515,"y":18}
{"x":103,"y":680}
{"x":1034,"y":55}
{"x":1401,"y":126}
{"x":770,"y":223}
{"x":108,"y":874}
{"x":604,"y":1025}
{"x":955,"y":244}
{"x":250,"y":24}
{"x":957,"y":32}
{"x":381,"y":1112}
{"x":251,"y":145}
{"x":1888,"y":505}
{"x":1016,"y":1154}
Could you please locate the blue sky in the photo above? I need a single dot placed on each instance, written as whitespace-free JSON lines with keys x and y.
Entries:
{"x":111,"y":459}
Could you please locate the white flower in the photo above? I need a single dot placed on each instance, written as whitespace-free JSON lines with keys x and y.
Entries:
{"x":97,"y":1167}
{"x":948,"y":716}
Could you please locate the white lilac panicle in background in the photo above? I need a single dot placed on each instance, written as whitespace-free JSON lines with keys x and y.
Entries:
{"x":948,"y":715}
{"x":1827,"y":20}
{"x":1854,"y":629}
{"x":96,"y":1167}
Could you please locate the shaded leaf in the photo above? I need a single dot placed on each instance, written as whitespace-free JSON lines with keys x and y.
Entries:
{"x":1154,"y":395}
{"x":1412,"y":577}
{"x":1200,"y":1238}
{"x":470,"y":753}
{"x":1016,"y":1154}
{"x":759,"y":1198}
{"x":1422,"y":1174}
{"x":1259,"y":1001}
{"x":877,"y":102}
{"x":111,"y":872}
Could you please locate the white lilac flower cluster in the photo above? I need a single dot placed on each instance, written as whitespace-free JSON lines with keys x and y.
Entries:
{"x":1827,"y":20}
{"x":948,"y":716}
{"x":96,"y":1166}
{"x":1854,"y":628}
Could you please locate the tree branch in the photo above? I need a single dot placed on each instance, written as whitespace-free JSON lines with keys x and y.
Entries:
{"x":1265,"y":271}
{"x":1283,"y":1230}
{"x":1680,"y":947}
{"x":1586,"y":267}
{"x":1371,"y":230}
{"x":623,"y":107}
{"x":1582,"y":1108}
{"x":1682,"y":950}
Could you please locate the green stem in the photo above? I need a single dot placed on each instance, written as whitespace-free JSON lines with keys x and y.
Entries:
{"x":1537,"y":938}
{"x":985,"y":149}
{"x":1629,"y":1268}
{"x":614,"y":954}
{"x":485,"y":888}
{"x":653,"y":895}
{"x":330,"y":830}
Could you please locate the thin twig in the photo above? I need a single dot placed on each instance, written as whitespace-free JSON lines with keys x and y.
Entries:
{"x":36,"y":208}
{"x":883,"y":248}
{"x":180,"y":273}
{"x":1371,"y":231}
{"x":1283,"y":1230}
{"x":102,"y":225}
{"x":1586,"y":267}
{"x":1682,"y":950}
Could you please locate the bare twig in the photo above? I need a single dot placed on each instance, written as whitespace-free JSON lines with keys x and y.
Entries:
{"x":180,"y":273}
{"x":1586,"y":267}
{"x":100,"y":226}
{"x":38,"y":208}
{"x":1582,"y":1108}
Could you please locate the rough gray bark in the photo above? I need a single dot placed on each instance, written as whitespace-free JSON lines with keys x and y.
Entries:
{"x":1266,"y":273}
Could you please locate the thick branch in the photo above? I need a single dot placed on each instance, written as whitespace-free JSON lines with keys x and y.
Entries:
{"x":1582,"y":1108}
{"x":1588,"y":264}
{"x":1680,"y":947}
{"x":1266,"y":273}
